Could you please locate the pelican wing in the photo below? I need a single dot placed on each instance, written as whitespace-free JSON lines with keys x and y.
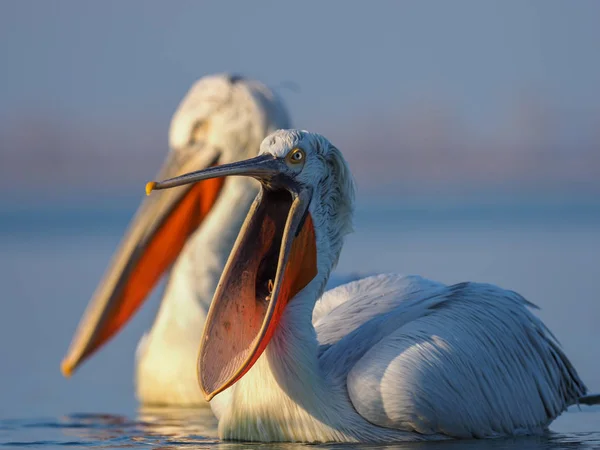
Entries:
{"x":468,"y":360}
{"x":341,"y":311}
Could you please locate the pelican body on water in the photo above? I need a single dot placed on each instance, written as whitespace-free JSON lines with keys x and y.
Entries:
{"x":381,"y":359}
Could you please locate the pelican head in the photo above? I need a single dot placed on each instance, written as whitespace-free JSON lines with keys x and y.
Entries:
{"x":293,"y":233}
{"x":222,"y":119}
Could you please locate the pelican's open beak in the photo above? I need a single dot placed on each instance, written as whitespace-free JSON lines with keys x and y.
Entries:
{"x":155,"y":237}
{"x":274,"y":258}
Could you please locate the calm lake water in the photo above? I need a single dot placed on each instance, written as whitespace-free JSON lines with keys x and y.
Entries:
{"x":51,"y":258}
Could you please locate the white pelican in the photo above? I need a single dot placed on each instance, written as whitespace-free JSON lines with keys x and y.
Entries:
{"x":222,"y":119}
{"x":386,"y":358}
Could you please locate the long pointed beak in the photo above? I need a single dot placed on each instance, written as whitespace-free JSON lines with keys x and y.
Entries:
{"x":263,"y":168}
{"x":273,"y":259}
{"x":152,"y":242}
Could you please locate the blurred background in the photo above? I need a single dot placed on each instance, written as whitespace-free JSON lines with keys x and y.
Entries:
{"x":473,"y":130}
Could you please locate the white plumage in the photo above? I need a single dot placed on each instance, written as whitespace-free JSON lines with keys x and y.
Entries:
{"x":389,"y":357}
{"x":468,"y":360}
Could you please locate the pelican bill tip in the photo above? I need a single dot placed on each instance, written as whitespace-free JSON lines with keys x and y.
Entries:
{"x":66,"y":368}
{"x":150,"y":187}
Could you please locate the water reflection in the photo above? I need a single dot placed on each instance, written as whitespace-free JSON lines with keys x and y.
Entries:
{"x":173,"y":428}
{"x":181,"y":423}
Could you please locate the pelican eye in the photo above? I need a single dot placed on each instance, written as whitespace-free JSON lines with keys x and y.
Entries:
{"x":296,"y":156}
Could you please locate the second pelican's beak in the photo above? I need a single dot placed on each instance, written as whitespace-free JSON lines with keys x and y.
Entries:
{"x":155,"y":237}
{"x":273,"y":259}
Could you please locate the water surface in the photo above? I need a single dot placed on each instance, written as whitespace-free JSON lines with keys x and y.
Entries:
{"x":51,"y":258}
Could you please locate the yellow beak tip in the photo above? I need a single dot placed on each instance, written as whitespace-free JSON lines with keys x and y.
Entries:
{"x":66,"y":369}
{"x":150,"y":187}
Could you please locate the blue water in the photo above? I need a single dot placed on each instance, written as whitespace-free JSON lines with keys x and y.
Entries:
{"x":52,"y":256}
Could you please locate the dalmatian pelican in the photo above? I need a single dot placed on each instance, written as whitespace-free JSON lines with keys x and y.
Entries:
{"x":381,"y":359}
{"x":223,"y":118}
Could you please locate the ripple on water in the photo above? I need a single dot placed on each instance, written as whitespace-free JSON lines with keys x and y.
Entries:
{"x":187,"y":428}
{"x":171,"y":429}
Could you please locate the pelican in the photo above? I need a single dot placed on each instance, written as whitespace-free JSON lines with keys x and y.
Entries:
{"x":223,"y":118}
{"x":385,"y":358}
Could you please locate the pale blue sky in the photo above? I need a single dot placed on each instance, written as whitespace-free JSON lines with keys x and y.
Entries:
{"x":112,"y":59}
{"x":128,"y":63}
